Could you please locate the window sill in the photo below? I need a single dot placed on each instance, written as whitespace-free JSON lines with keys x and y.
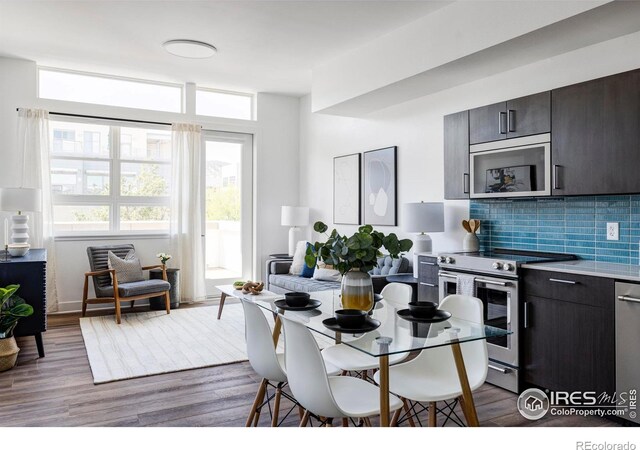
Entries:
{"x":111,"y":237}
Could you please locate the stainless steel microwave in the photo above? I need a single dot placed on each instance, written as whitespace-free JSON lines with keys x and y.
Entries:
{"x":519,"y":167}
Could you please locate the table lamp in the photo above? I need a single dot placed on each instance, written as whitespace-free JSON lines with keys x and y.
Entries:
{"x":20,"y":200}
{"x":294,"y":217}
{"x":420,"y":218}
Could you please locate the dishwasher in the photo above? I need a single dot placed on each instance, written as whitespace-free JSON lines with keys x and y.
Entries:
{"x":627,"y":342}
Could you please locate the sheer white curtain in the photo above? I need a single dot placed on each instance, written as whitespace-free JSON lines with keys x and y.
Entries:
{"x":33,"y":139}
{"x":186,"y":209}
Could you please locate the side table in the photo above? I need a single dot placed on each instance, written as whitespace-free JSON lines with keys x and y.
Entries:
{"x":157,"y":303}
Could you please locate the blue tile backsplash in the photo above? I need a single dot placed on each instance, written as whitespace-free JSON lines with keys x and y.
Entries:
{"x":565,"y":224}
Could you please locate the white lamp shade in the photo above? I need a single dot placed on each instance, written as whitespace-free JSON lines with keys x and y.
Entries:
{"x":20,"y":199}
{"x":423,"y":217}
{"x":295,"y":216}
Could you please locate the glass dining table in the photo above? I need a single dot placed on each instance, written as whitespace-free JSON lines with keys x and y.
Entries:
{"x":394,"y":335}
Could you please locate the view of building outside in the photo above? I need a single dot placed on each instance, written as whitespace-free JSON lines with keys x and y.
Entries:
{"x":223,"y":203}
{"x":81,"y":177}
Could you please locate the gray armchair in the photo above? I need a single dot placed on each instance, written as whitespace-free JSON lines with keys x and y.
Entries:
{"x":108,"y":292}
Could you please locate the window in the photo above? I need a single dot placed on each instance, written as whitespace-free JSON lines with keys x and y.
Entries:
{"x":113,"y":91}
{"x":233,"y":105}
{"x":109,"y":177}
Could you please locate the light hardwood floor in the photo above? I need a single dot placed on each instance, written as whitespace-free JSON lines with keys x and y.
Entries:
{"x":58,"y":391}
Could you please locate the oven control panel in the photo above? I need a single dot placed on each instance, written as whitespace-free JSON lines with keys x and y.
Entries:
{"x":474,"y":263}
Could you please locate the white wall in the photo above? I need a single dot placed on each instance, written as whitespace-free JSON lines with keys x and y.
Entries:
{"x":275,"y":168}
{"x":416,"y":128}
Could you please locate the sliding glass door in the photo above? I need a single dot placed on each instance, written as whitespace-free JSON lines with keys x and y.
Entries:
{"x":227,"y":208}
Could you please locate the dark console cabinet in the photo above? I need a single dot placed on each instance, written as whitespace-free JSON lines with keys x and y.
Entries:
{"x":30,"y":273}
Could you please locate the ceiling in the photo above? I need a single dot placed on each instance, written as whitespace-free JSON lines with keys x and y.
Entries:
{"x":263,"y":46}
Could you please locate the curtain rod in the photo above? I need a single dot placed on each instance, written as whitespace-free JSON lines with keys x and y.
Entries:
{"x":84,"y":116}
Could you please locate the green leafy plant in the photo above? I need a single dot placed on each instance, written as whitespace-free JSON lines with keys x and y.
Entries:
{"x":12,"y":309}
{"x":359,"y":251}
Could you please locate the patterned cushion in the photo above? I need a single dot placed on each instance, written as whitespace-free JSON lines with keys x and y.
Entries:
{"x":284,"y":283}
{"x":128,"y":269}
{"x":390,"y":266}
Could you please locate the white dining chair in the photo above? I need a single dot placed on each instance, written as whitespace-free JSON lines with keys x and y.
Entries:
{"x":396,"y":295}
{"x":326,"y":397}
{"x":432,"y":376}
{"x":267,"y":363}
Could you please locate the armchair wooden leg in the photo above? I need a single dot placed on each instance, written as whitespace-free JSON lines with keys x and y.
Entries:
{"x":167,"y":302}
{"x":118,"y":321}
{"x":85,"y":294}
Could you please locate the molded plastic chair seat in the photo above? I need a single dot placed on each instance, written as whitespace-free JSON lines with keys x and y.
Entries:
{"x":331,"y":369}
{"x":359,"y":398}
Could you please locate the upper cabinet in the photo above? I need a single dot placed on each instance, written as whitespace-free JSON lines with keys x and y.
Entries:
{"x":456,"y":156}
{"x":596,"y":136}
{"x":523,"y":116}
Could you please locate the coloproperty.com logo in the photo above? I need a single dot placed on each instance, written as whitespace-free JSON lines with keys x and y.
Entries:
{"x":534,"y":404}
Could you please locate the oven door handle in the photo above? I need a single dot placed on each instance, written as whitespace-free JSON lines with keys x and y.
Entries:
{"x":447,"y":275}
{"x":499,"y":369}
{"x":493,"y":283}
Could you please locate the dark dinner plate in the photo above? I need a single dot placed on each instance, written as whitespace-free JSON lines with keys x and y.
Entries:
{"x":369,"y":325}
{"x":282,"y":304}
{"x":439,"y":316}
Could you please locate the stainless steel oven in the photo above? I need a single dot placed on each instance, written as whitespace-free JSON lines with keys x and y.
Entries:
{"x":500,"y":299}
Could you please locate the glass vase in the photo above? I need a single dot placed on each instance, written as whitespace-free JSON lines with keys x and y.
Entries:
{"x":357,"y":291}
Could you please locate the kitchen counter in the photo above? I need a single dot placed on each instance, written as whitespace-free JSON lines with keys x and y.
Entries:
{"x":597,"y":269}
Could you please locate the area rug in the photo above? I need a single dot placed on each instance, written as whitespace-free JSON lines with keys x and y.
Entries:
{"x":155,"y":342}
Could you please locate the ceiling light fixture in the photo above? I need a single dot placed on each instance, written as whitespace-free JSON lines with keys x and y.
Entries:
{"x":188,"y":48}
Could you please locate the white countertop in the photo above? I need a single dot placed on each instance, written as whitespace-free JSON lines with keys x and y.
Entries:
{"x":599,"y":269}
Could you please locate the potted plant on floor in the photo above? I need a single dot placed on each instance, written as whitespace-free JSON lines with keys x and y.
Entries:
{"x":12,"y":309}
{"x":354,"y":256}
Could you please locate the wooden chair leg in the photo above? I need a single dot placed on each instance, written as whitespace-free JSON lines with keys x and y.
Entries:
{"x":276,"y":407}
{"x":394,"y":419}
{"x":223,"y":297}
{"x":85,"y":294}
{"x":433,"y":418}
{"x":305,"y":419}
{"x":407,"y":411}
{"x":367,"y":422}
{"x":118,"y":321}
{"x":301,"y":412}
{"x":167,"y":302}
{"x":256,"y":401}
{"x":345,"y":421}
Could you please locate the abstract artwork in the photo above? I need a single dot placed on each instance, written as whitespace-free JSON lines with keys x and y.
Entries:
{"x":380,"y":187}
{"x":510,"y":179}
{"x":346,"y":189}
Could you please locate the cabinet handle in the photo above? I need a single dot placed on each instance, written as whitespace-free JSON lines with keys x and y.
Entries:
{"x":427,"y":284}
{"x":499,"y":369}
{"x":502,"y":122}
{"x":427,"y":263}
{"x":465,"y":183}
{"x":512,"y":121}
{"x":555,"y":280}
{"x":626,"y":298}
{"x":526,"y":315}
{"x":556,"y":182}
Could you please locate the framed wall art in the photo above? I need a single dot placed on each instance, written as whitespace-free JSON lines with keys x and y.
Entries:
{"x":380,"y":189}
{"x":346,"y":189}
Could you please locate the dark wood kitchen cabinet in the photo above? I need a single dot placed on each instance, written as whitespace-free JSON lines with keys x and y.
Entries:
{"x":596,"y":136}
{"x":519,"y":117}
{"x":428,"y":279}
{"x":456,"y":156}
{"x":568,"y":332}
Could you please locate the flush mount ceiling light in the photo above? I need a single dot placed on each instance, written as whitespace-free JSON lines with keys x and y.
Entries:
{"x":188,"y":48}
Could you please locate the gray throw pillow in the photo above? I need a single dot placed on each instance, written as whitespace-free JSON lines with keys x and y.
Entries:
{"x":128,"y":269}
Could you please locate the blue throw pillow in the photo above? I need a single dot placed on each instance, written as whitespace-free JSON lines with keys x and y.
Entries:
{"x":307,"y":272}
